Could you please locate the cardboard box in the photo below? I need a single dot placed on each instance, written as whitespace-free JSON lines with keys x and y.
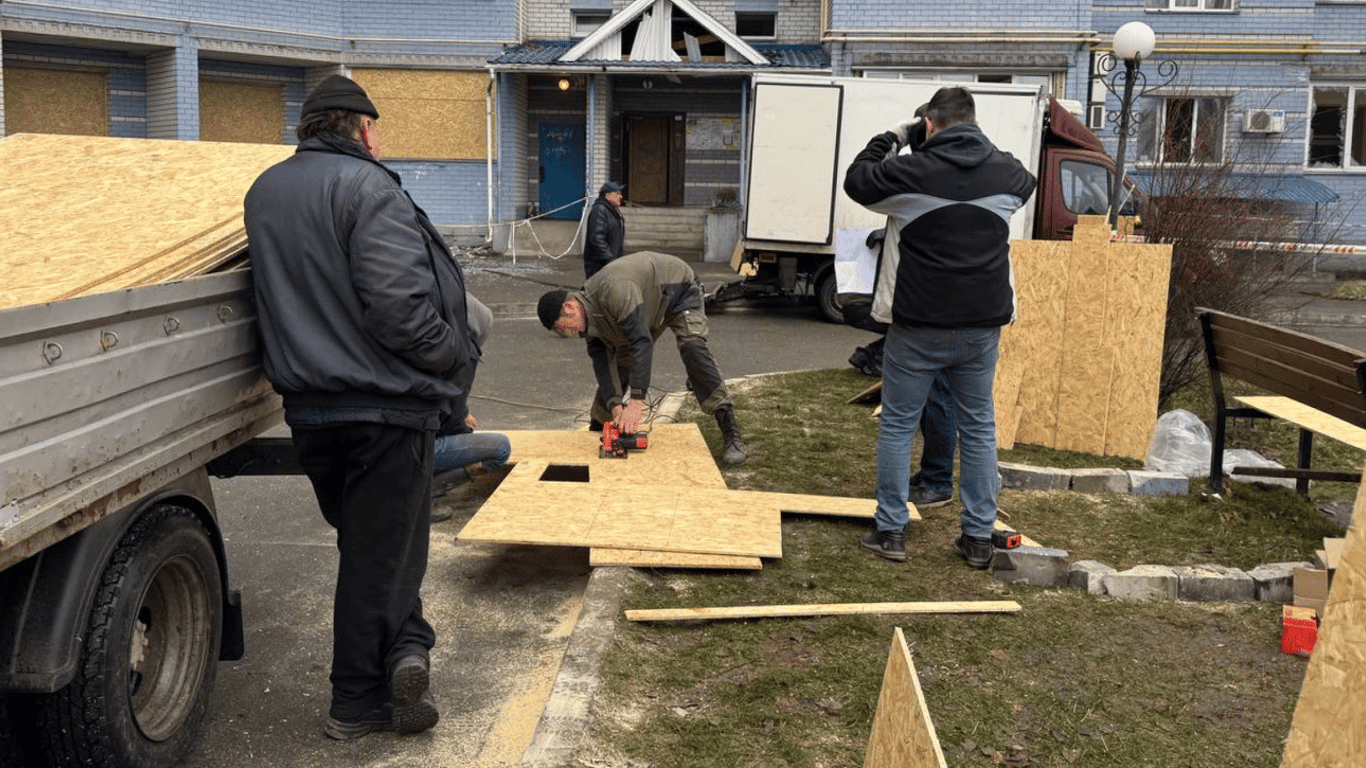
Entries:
{"x":1312,"y":583}
{"x":1299,"y":630}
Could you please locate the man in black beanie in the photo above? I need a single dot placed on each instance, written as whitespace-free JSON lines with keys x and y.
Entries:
{"x":364,"y":332}
{"x":622,"y":310}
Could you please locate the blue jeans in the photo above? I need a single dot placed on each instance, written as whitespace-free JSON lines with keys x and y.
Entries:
{"x":911,"y":360}
{"x":455,"y":451}
{"x":939,"y":430}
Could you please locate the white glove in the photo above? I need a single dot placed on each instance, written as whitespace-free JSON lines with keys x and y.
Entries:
{"x":902,"y":131}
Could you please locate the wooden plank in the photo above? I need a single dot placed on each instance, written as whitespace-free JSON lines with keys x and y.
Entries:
{"x":1309,"y":418}
{"x":1282,"y":337}
{"x":1273,"y":358}
{"x":1326,"y":729}
{"x":903,"y":734}
{"x":639,"y":558}
{"x":824,"y":609}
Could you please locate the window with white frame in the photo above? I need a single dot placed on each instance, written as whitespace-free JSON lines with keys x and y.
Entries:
{"x":1190,"y":5}
{"x":1337,"y":128}
{"x":1187,"y":129}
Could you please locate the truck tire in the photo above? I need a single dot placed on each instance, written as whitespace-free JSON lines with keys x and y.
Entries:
{"x":12,"y":733}
{"x":828,"y":297}
{"x":150,"y":653}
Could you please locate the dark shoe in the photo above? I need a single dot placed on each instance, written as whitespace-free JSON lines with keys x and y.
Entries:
{"x":924,"y":498}
{"x":978,"y":552}
{"x":344,"y":730}
{"x":414,"y":710}
{"x":733,"y":446}
{"x":888,"y":544}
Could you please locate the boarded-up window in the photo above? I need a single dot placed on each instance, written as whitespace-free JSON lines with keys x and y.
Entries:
{"x":56,"y":101}
{"x":243,"y":112}
{"x":428,"y":115}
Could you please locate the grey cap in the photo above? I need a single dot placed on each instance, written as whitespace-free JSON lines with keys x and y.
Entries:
{"x":611,"y":186}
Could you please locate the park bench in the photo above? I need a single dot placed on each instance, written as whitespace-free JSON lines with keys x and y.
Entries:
{"x":1317,"y":385}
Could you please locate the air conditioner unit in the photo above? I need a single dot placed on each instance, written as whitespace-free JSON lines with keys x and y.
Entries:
{"x":1096,"y":120}
{"x":1264,"y":121}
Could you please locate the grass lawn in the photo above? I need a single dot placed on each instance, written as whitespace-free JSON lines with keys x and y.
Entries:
{"x":1072,"y":679}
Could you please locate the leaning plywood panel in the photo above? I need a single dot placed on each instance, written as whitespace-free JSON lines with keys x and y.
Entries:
{"x":1031,"y":348}
{"x":1136,"y":320}
{"x":76,"y":208}
{"x":1084,"y":379}
{"x":1328,"y":730}
{"x":903,"y":734}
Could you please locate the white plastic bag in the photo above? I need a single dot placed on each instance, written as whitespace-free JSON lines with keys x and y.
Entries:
{"x":1242,"y":457}
{"x":1180,"y":443}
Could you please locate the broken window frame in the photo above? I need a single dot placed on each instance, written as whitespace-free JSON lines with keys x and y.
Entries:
{"x":1336,"y":137}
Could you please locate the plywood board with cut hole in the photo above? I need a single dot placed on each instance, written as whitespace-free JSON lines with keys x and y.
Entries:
{"x":525,"y":509}
{"x":903,"y":734}
{"x":1326,"y":729}
{"x":677,"y":456}
{"x":87,"y":214}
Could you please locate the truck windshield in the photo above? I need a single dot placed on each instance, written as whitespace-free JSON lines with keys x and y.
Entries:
{"x":1085,"y":188}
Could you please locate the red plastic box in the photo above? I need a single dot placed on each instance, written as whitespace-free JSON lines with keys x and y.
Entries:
{"x":1299,"y":630}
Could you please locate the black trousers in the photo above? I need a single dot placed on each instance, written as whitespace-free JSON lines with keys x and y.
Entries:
{"x":373,"y":483}
{"x":690,"y":330}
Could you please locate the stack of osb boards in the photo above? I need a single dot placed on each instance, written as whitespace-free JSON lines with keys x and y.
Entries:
{"x":665,"y":506}
{"x":88,"y":214}
{"x":1079,"y":369}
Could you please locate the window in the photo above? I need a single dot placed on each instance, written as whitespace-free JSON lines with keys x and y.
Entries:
{"x":756,"y":24}
{"x":586,"y":22}
{"x":1085,"y":188}
{"x":1191,"y":5}
{"x":1336,"y":128}
{"x":1183,"y":130}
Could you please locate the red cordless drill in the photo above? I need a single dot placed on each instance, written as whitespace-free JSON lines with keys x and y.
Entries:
{"x":616,"y":445}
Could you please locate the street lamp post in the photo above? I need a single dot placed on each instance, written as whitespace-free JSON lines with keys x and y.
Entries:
{"x":1133,"y":43}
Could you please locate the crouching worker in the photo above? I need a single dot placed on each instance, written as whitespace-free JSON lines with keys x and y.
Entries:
{"x":622,"y":310}
{"x":462,"y":453}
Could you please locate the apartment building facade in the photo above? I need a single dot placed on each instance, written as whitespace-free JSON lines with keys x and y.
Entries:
{"x":496,"y":110}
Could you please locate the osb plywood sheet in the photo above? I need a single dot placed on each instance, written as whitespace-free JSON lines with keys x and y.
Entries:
{"x":527,"y":510}
{"x":903,"y":733}
{"x":88,"y":214}
{"x":1327,"y":730}
{"x":677,"y":456}
{"x":429,"y":114}
{"x":1087,"y":357}
{"x":1135,"y":320}
{"x":56,"y":101}
{"x":1033,"y":345}
{"x":1088,"y":338}
{"x":245,"y":112}
{"x":640,"y":558}
{"x":1308,"y":417}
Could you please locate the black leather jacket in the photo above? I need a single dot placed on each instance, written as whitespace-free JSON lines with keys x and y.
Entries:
{"x":606,"y":237}
{"x":362,"y":307}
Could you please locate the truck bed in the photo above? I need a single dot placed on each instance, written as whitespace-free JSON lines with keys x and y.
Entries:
{"x":110,"y":396}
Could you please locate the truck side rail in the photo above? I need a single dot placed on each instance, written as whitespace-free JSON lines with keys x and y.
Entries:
{"x":108,"y":397}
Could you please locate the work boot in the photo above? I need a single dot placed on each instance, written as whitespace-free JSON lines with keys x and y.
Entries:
{"x":888,"y":544}
{"x":413,"y":709}
{"x":978,"y":552}
{"x":733,"y":445}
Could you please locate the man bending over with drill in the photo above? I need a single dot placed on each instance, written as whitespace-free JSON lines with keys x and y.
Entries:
{"x":622,"y":310}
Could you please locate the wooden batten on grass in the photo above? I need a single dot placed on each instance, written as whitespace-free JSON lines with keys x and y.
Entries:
{"x":821,"y":609}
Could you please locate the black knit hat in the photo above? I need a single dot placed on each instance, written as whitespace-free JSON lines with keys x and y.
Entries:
{"x":548,"y":308}
{"x":337,"y":92}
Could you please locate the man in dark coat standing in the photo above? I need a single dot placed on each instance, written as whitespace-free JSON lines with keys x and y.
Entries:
{"x":364,"y":333}
{"x":606,"y":236}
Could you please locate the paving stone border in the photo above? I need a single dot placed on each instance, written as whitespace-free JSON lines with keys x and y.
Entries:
{"x":1046,"y":567}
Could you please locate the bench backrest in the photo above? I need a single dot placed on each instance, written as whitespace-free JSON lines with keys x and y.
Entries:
{"x":1318,"y":373}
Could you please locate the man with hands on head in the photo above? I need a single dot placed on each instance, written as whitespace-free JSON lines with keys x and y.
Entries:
{"x":621,"y":311}
{"x":945,"y":285}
